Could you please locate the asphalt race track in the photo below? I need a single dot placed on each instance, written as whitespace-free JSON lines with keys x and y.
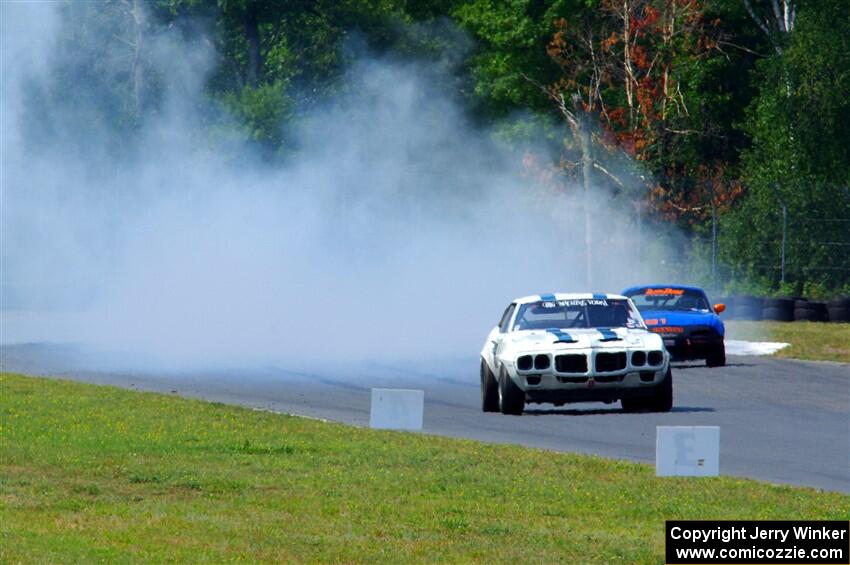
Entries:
{"x":781,"y":421}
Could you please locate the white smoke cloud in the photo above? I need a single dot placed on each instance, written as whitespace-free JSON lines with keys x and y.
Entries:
{"x":397,"y":230}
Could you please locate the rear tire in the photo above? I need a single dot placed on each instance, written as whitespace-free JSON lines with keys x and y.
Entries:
{"x":489,"y":389}
{"x":839,"y":309}
{"x":717,"y":357}
{"x":778,"y":309}
{"x":839,"y":314}
{"x":748,"y":307}
{"x":805,"y":311}
{"x":511,"y":397}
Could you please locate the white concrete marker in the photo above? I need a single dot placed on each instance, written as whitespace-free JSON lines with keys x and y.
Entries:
{"x":687,"y":451}
{"x":397,"y":409}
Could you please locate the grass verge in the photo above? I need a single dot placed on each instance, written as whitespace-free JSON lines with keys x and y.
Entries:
{"x":90,"y":473}
{"x":815,"y":341}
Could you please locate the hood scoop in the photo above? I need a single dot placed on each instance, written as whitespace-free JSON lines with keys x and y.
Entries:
{"x":561,"y":336}
{"x":609,"y":335}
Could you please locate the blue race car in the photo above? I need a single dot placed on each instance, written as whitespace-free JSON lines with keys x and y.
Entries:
{"x":689,"y":325}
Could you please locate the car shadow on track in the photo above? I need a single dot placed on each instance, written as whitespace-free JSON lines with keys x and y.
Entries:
{"x":702,"y":365}
{"x":598,"y":411}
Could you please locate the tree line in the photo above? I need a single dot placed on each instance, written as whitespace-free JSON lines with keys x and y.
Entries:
{"x":726,"y":118}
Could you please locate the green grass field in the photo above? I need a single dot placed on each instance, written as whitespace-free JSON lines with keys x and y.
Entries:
{"x":91,"y":473}
{"x":815,"y":341}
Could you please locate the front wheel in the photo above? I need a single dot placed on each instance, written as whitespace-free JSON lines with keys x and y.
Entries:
{"x":717,"y":358}
{"x":511,"y":397}
{"x":489,"y":389}
{"x":633,"y":404}
{"x":663,"y":399}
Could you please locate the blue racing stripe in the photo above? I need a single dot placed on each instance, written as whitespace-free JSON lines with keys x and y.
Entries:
{"x":600,"y":296}
{"x":547,"y":297}
{"x":561,"y":336}
{"x":608,"y":334}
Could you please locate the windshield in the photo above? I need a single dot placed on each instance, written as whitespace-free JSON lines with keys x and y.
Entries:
{"x":580,"y":313}
{"x":680,"y":299}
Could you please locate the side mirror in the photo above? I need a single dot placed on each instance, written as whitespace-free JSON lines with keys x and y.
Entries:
{"x":718,"y":308}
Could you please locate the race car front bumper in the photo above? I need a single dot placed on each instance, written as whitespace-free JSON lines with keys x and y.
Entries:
{"x":600,"y":376}
{"x":599,"y":388}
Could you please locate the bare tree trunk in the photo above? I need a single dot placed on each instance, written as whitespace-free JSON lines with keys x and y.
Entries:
{"x":630,"y":80}
{"x":784,"y":18}
{"x":669,"y":16}
{"x":782,"y":23}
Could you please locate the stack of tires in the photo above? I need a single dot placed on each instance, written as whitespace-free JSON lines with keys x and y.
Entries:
{"x":729,"y":302}
{"x":807,"y":311}
{"x":838,"y":310}
{"x":778,"y":309}
{"x":748,"y":307}
{"x":786,"y":309}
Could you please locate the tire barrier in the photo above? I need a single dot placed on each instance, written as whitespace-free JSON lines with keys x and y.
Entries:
{"x":778,"y":309}
{"x":729,"y":301}
{"x":805,"y":311}
{"x":838,"y":310}
{"x":748,"y":307}
{"x":785,"y":309}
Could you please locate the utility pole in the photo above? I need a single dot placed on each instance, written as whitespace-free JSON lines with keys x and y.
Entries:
{"x":578,"y":120}
{"x":586,"y":169}
{"x":784,"y":233}
{"x":639,"y":208}
{"x":713,"y":245}
{"x":784,"y":207}
{"x":710,"y":185}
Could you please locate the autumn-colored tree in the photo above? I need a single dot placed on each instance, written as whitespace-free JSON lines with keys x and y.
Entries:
{"x":621,"y":66}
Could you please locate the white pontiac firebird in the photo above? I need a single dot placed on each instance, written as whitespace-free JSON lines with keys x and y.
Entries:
{"x":560,"y":348}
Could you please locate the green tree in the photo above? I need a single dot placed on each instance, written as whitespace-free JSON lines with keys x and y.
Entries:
{"x":799,"y":159}
{"x":509,"y":55}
